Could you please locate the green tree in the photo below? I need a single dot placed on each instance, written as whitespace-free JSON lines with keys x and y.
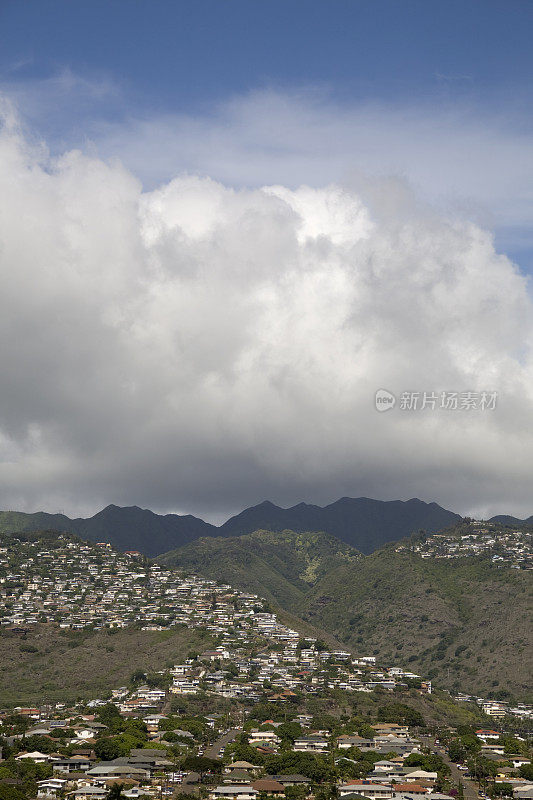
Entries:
{"x":526,"y":772}
{"x":202,"y":764}
{"x":109,"y":715}
{"x":107,"y":749}
{"x":115,"y":792}
{"x":456,"y":751}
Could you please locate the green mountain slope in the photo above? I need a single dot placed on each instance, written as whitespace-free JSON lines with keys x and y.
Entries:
{"x":46,"y":664}
{"x":281,"y":566}
{"x":464,"y":622}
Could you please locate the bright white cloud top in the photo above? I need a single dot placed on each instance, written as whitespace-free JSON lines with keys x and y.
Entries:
{"x":199,"y":348}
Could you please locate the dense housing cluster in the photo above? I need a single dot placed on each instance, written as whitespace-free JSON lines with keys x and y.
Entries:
{"x":506,"y":546}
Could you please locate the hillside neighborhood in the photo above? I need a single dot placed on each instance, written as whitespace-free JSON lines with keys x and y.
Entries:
{"x":506,"y":546}
{"x":247,"y":718}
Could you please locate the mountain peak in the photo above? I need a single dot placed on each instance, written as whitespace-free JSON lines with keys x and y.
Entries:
{"x":363,"y":523}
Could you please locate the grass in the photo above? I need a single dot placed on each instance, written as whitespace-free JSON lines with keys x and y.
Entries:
{"x":49,"y":664}
{"x":464,"y":623}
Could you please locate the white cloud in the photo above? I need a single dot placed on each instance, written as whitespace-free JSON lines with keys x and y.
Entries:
{"x":457,"y":156}
{"x":201,"y":347}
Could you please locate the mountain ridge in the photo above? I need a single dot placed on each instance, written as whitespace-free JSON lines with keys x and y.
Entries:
{"x":506,"y":519}
{"x":363,"y":523}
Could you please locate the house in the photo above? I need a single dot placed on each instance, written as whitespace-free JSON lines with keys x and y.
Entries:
{"x":344,"y":742}
{"x":374,"y":791}
{"x":89,"y":793}
{"x":411,"y":788}
{"x":35,"y":755}
{"x":152,"y":722}
{"x":183,"y":734}
{"x":382,"y":728}
{"x":523,"y":792}
{"x":273,"y":788}
{"x":233,"y":792}
{"x":310,"y":744}
{"x":266,"y":736}
{"x":50,"y":787}
{"x":104,"y":771}
{"x":487,"y":734}
{"x":420,"y":774}
{"x":84,"y":733}
{"x":290,"y":780}
{"x":241,"y":765}
{"x":385,"y":766}
{"x":73,"y":764}
{"x":185,"y":686}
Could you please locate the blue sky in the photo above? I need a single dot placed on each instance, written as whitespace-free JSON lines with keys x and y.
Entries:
{"x":103,"y":73}
{"x":172,"y":55}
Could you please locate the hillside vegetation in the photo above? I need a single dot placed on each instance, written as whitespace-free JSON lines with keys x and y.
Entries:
{"x":47,"y":664}
{"x":463,"y":622}
{"x":281,"y":567}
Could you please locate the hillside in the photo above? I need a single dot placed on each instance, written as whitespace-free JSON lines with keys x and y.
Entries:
{"x":465,"y":623}
{"x":360,"y":522}
{"x":505,"y":519}
{"x":47,"y":664}
{"x":278,"y":566}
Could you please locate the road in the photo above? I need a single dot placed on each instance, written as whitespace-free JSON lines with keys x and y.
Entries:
{"x":216,"y":750}
{"x":469,"y":787}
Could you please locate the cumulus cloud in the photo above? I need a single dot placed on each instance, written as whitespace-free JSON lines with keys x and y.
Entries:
{"x":466,"y":156}
{"x":199,"y":347}
{"x":474,"y":161}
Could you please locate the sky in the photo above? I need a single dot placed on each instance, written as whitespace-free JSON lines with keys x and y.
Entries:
{"x":225,"y":225}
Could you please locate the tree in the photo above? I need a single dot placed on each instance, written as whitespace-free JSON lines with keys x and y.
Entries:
{"x":430,"y":762}
{"x":400,"y":713}
{"x":202,"y":764}
{"x":482,"y":768}
{"x":137,"y":677}
{"x":289,"y":730}
{"x":503,"y":789}
{"x":471,"y":743}
{"x":109,"y":715}
{"x":296,"y":792}
{"x":526,"y":771}
{"x":317,"y":768}
{"x":107,"y":749}
{"x":366,"y":731}
{"x":11,"y":793}
{"x":115,"y":792}
{"x":512,"y":745}
{"x":456,"y":751}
